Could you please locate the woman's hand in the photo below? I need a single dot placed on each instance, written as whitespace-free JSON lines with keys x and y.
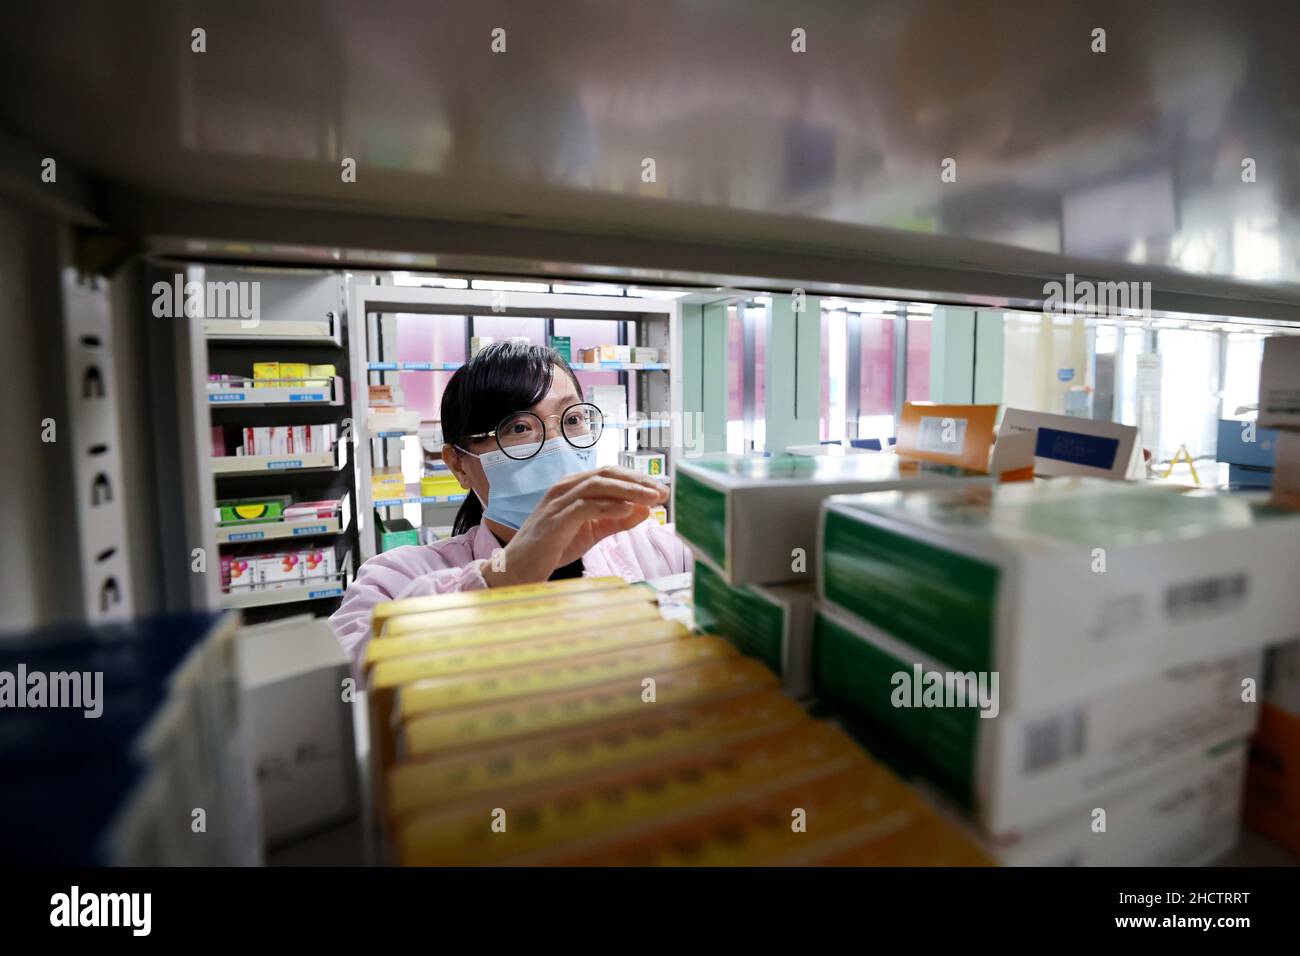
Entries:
{"x":575,"y":513}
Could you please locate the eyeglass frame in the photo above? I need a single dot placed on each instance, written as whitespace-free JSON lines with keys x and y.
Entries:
{"x":544,"y":420}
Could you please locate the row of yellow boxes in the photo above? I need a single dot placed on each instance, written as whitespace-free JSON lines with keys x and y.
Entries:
{"x":569,"y":723}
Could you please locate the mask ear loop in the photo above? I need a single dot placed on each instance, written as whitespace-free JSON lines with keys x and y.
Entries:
{"x":481,"y":503}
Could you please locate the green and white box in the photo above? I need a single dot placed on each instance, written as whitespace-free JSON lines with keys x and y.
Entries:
{"x":1188,"y":816}
{"x":773,"y":623}
{"x":754,"y":520}
{"x":1068,"y":586}
{"x":1015,"y":771}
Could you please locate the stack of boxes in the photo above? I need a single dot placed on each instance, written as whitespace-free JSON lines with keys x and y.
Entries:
{"x":571,"y":723}
{"x":1070,"y":664}
{"x":1273,"y":789}
{"x":752,"y":525}
{"x":134,"y":751}
{"x":1063,"y":658}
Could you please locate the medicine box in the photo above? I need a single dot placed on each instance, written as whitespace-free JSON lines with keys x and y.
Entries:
{"x":1069,"y":445}
{"x":246,"y":510}
{"x":1273,"y":780}
{"x":644,"y":355}
{"x":561,"y":344}
{"x":1188,"y":816}
{"x":300,"y":729}
{"x":616,"y":353}
{"x":293,"y":374}
{"x":478,"y":343}
{"x":754,"y":520}
{"x":266,"y":375}
{"x":1066,"y":586}
{"x":643,"y":463}
{"x":1013,"y":769}
{"x":771,"y":622}
{"x":1245,"y":443}
{"x":387,"y":484}
{"x":1279,"y":382}
{"x":589,"y":356}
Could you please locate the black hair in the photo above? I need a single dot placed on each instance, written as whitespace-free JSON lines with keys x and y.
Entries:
{"x":503,"y":377}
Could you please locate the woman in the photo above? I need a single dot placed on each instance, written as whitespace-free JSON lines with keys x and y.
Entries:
{"x":519,"y":436}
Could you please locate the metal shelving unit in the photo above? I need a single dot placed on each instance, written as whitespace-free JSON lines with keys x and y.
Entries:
{"x":652,"y":387}
{"x":303,"y":318}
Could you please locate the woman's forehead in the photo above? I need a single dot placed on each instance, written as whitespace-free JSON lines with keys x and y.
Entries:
{"x":561,"y":393}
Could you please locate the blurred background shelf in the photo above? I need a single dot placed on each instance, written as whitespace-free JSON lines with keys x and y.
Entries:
{"x":323,"y":394}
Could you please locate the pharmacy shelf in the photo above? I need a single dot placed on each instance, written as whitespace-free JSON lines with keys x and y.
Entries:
{"x":259,"y":464}
{"x":318,"y":332}
{"x":317,"y":589}
{"x":413,"y":366}
{"x":331,"y":394}
{"x":413,"y":497}
{"x":273,"y":530}
{"x":321,"y":590}
{"x":620,"y":366}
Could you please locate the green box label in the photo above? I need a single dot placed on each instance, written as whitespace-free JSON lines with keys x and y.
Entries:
{"x":938,"y":601}
{"x":755,"y":625}
{"x":701,"y":516}
{"x":940,"y":742}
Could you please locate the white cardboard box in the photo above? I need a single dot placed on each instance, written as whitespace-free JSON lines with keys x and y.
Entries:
{"x":1018,"y":770}
{"x":754,"y":520}
{"x":1188,"y":816}
{"x":1066,"y":445}
{"x":291,"y":679}
{"x":1065,"y":586}
{"x":1279,"y":383}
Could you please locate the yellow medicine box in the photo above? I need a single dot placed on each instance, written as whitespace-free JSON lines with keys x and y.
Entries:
{"x":446,"y":639}
{"x":441,"y":732}
{"x":266,"y":374}
{"x":608,"y":747}
{"x":490,"y":614}
{"x":517,"y":592}
{"x":565,"y":819}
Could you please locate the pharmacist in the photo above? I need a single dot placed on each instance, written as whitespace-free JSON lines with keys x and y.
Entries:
{"x":517,"y":433}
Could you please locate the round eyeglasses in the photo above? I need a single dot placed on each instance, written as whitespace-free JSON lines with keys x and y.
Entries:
{"x":520,"y":434}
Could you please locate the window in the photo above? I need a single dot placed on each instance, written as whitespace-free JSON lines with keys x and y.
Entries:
{"x":426,"y":338}
{"x":918,"y":358}
{"x":877,"y":342}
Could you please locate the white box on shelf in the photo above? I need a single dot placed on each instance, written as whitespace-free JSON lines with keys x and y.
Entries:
{"x":1019,"y":769}
{"x":1188,"y":816}
{"x":1064,"y":586}
{"x":1279,"y":383}
{"x":290,"y":675}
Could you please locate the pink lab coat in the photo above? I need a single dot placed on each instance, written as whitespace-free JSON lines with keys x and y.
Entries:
{"x":650,"y":550}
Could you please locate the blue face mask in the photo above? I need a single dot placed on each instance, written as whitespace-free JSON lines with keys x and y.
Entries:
{"x":516,"y":487}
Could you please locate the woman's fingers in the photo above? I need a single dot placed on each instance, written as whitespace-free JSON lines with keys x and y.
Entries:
{"x":602,"y":486}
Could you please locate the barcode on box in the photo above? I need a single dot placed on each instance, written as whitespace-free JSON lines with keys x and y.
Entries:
{"x":1054,"y":739}
{"x":1206,"y":596}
